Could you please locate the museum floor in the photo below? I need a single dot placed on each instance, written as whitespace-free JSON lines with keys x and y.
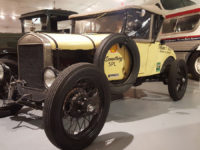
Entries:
{"x":145,"y":119}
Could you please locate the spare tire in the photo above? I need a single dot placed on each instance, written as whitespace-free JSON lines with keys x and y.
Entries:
{"x":107,"y":59}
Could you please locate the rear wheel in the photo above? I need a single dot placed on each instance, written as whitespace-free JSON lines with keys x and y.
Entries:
{"x":77,"y":107}
{"x":8,"y":108}
{"x":194,"y":65}
{"x":118,"y":57}
{"x":177,"y":79}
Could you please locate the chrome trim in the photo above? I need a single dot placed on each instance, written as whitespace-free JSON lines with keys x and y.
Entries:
{"x":41,"y":40}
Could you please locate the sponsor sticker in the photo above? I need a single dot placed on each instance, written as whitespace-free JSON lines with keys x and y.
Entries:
{"x":158,"y":67}
{"x":113,"y":49}
{"x":113,"y":75}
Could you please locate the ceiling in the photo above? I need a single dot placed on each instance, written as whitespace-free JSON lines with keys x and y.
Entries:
{"x":22,"y":6}
{"x":9,"y":8}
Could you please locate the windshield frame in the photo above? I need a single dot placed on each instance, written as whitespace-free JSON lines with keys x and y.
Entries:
{"x":32,"y":17}
{"x":125,"y":11}
{"x":101,"y":15}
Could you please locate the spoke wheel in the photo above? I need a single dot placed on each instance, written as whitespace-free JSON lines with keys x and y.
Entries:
{"x":81,"y":109}
{"x":177,"y":80}
{"x":77,"y":107}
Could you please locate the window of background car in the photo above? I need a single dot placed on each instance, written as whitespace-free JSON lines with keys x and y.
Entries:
{"x":64,"y":26}
{"x":169,"y":26}
{"x":187,"y":23}
{"x":35,"y":24}
{"x":104,"y":23}
{"x":138,"y":24}
{"x":174,"y":4}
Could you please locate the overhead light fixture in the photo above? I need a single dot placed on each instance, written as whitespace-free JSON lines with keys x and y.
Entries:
{"x":89,"y":9}
{"x":2,"y":17}
{"x":122,"y":2}
{"x":14,"y":17}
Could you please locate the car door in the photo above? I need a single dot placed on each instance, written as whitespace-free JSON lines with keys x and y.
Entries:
{"x":158,"y":52}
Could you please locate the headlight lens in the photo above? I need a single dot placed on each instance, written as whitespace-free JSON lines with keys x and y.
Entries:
{"x":1,"y":72}
{"x":49,"y":77}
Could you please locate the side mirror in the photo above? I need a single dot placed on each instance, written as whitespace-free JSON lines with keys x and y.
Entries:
{"x":162,"y":42}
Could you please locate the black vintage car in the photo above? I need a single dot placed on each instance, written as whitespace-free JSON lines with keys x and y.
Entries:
{"x":47,"y":20}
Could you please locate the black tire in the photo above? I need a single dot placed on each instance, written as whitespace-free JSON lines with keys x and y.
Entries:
{"x":177,"y":79}
{"x":13,"y":71}
{"x":59,"y":99}
{"x":12,"y":108}
{"x":191,"y":65}
{"x":102,"y":50}
{"x":12,"y":64}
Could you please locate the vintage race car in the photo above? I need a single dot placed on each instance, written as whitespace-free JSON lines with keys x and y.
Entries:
{"x":71,"y":76}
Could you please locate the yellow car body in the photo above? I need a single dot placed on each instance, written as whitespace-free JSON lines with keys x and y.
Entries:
{"x":117,"y":61}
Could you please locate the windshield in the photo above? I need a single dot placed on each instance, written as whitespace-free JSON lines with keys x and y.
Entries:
{"x":35,"y":24}
{"x":138,"y":24}
{"x":175,"y":4}
{"x":104,"y":23}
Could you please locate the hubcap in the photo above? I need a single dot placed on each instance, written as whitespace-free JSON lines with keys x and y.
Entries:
{"x":183,"y":80}
{"x":197,"y":65}
{"x":81,"y":107}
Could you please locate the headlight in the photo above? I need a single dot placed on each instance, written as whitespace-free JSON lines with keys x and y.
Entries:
{"x":49,"y":76}
{"x":1,"y":72}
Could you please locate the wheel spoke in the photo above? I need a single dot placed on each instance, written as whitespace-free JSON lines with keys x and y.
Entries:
{"x":74,"y":129}
{"x":82,"y":124}
{"x":80,"y":107}
{"x":78,"y":124}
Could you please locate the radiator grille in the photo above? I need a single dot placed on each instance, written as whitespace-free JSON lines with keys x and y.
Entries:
{"x":31,"y":65}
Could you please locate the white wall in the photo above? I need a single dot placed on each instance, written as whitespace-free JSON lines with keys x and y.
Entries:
{"x":9,"y":25}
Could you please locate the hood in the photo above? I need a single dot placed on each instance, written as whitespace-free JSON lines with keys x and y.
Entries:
{"x":64,"y":41}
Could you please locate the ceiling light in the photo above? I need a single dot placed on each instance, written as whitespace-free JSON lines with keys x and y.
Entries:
{"x":122,"y":2}
{"x":2,"y":17}
{"x":88,"y":9}
{"x":13,"y":17}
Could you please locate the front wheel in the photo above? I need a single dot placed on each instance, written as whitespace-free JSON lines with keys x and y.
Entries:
{"x":77,"y":106}
{"x":177,"y":79}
